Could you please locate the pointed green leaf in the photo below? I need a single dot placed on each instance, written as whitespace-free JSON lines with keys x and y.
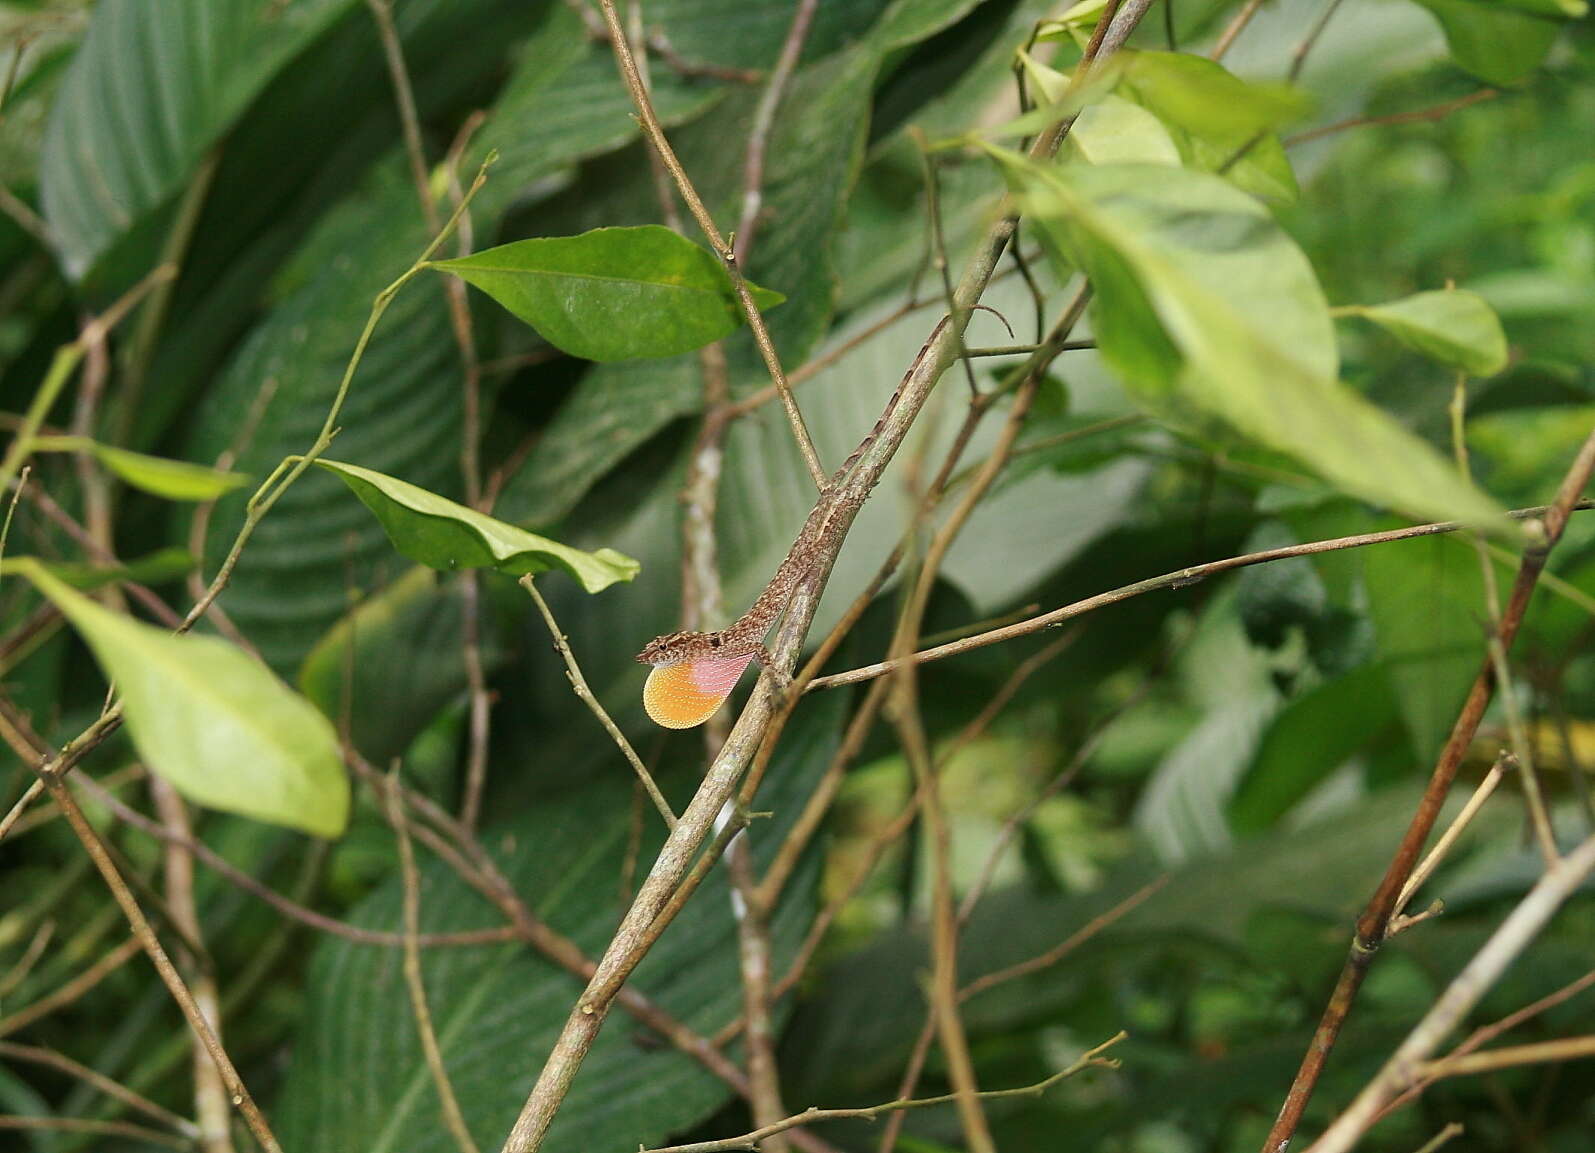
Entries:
{"x":220,"y":727}
{"x":156,"y":475}
{"x":434,"y":531}
{"x":161,"y":565}
{"x":1495,"y":41}
{"x":1220,"y":122}
{"x":612,"y":293}
{"x":1212,"y":317}
{"x":1454,"y":327}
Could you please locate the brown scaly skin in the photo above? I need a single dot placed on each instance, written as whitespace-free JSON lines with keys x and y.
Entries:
{"x":745,"y":636}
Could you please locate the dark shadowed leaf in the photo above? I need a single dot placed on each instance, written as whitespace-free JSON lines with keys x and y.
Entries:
{"x":612,"y":293}
{"x":153,"y":568}
{"x":217,"y":725}
{"x":441,"y":534}
{"x":152,"y":88}
{"x":358,"y":1082}
{"x":1306,"y":741}
{"x":1454,"y":327}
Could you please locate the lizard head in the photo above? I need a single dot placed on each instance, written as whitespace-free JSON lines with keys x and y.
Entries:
{"x":674,"y":647}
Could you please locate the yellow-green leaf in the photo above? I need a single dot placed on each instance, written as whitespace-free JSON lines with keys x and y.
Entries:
{"x":435,"y":531}
{"x":1454,"y":327}
{"x":170,"y":479}
{"x":216,"y":724}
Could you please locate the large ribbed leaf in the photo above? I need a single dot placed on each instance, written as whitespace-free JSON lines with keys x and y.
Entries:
{"x":358,"y":1083}
{"x":152,"y":88}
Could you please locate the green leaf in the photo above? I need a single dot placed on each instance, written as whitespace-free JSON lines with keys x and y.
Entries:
{"x":160,"y":565}
{"x":1496,"y":42}
{"x":220,"y":727}
{"x":1426,"y":600}
{"x":1307,"y":740}
{"x":358,"y":1081}
{"x":434,"y":531}
{"x":1219,"y":122}
{"x":612,"y":293}
{"x":172,"y":479}
{"x":1212,"y":317}
{"x":365,"y":669}
{"x":153,"y":87}
{"x":1454,"y":327}
{"x":1118,"y":131}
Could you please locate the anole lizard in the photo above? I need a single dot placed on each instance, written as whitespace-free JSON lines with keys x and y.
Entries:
{"x":694,"y":672}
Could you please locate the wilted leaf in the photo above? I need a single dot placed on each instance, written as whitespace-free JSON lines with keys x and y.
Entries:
{"x":220,"y":727}
{"x":434,"y":531}
{"x":612,"y":293}
{"x":1212,"y":316}
{"x":1454,"y":327}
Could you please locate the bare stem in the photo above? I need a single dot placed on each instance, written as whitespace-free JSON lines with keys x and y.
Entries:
{"x":578,"y":683}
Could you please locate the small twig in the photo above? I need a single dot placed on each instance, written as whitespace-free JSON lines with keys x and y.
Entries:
{"x":1453,"y":1129}
{"x":237,"y":1091}
{"x":72,"y":990}
{"x":1409,"y":1061}
{"x":1453,"y":831}
{"x":88,"y":1125}
{"x":1234,"y":29}
{"x":100,"y":1081}
{"x":413,"y":976}
{"x":1510,"y":1057}
{"x":578,"y":683}
{"x":1092,"y":1058}
{"x":1180,"y":578}
{"x":285,"y":905}
{"x":761,"y":334}
{"x":764,"y":122}
{"x":1417,"y":116}
{"x":1298,"y":57}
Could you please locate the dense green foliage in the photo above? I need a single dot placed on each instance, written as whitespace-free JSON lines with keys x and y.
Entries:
{"x":1281,"y":320}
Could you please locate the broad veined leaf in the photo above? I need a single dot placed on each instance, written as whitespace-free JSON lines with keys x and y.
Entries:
{"x":612,"y":293}
{"x":220,"y":727}
{"x":435,"y":531}
{"x":358,"y":1081}
{"x":1212,"y":317}
{"x":154,"y":86}
{"x":171,"y":479}
{"x":1454,"y":327}
{"x":1498,"y":42}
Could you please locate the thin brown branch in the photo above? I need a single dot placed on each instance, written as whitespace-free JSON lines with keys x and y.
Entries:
{"x":1449,"y":838}
{"x":764,"y":123}
{"x":1234,"y":28}
{"x":1453,"y":1129}
{"x":1486,"y":1033}
{"x":1510,"y":1057}
{"x":1092,"y":1058}
{"x":87,"y":1125}
{"x":1178,"y":579}
{"x":1416,"y":116}
{"x":1374,"y":923}
{"x":761,"y":334}
{"x":60,"y":1061}
{"x":237,"y":1091}
{"x":414,"y":979}
{"x":630,"y":943}
{"x":1410,"y":1060}
{"x":211,"y":1106}
{"x":71,"y":990}
{"x":285,"y":905}
{"x":578,"y":683}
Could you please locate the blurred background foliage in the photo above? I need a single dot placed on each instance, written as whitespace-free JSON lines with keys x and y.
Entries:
{"x":1257,"y":740}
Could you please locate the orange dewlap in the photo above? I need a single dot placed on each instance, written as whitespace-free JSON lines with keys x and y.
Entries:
{"x":687,"y":693}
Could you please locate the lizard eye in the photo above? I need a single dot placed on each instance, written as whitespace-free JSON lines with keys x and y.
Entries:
{"x":715,"y":641}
